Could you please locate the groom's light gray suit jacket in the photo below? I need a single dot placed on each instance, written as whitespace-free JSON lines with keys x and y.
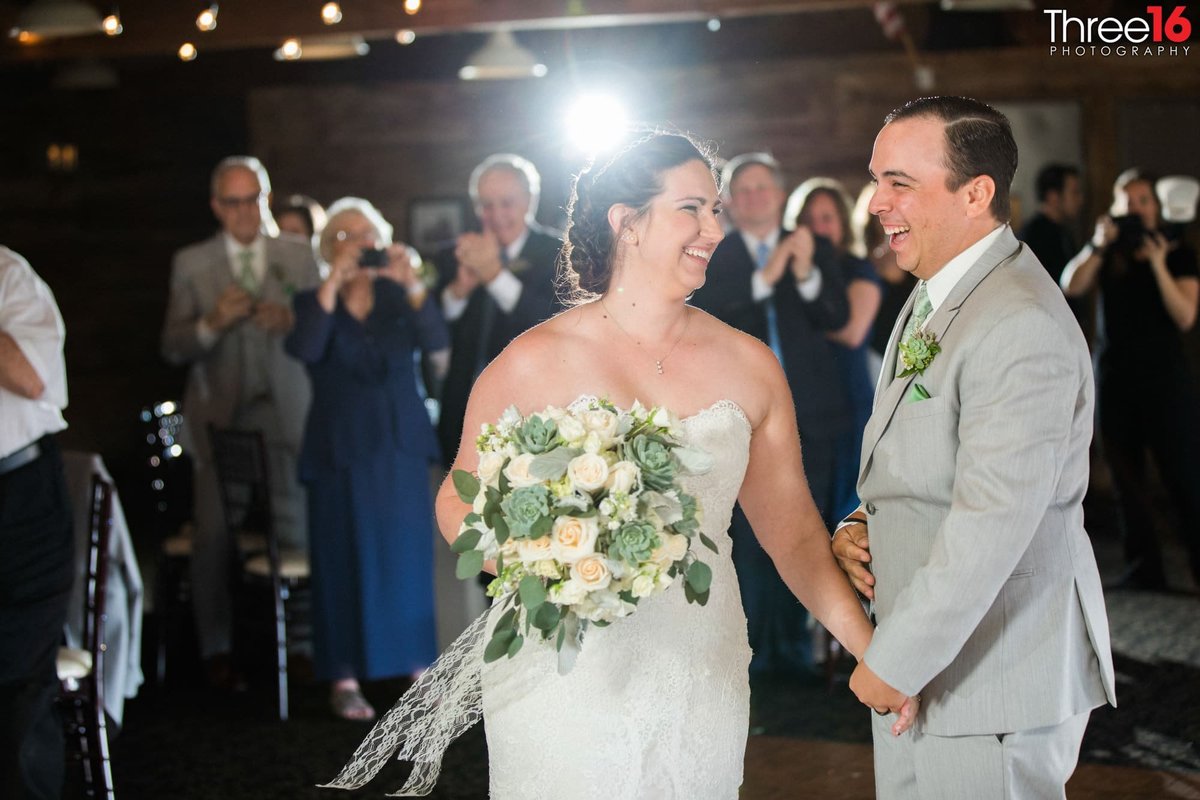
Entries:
{"x":987,"y":596}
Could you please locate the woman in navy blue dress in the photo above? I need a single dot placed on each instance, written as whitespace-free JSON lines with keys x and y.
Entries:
{"x":823,"y":206}
{"x":368,"y":445}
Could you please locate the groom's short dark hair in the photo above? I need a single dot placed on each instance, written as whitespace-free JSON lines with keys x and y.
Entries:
{"x":979,"y":141}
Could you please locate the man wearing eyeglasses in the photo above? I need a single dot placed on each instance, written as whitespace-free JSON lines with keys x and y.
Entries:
{"x":228,"y":312}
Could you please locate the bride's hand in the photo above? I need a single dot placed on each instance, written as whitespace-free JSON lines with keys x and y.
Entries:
{"x":907,"y":716}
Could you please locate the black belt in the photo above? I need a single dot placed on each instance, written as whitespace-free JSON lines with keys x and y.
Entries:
{"x":26,"y":455}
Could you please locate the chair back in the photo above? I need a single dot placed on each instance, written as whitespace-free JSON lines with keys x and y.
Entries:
{"x":240,"y":461}
{"x":100,"y":532}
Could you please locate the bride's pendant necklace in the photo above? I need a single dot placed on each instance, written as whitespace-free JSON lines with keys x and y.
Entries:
{"x":658,"y":362}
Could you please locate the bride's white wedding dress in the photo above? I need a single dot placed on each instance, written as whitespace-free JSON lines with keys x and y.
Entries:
{"x":658,"y":704}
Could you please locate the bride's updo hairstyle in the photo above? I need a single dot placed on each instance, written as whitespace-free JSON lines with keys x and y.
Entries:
{"x":632,"y":177}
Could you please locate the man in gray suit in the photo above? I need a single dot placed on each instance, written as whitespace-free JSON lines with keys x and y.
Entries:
{"x":228,"y":312}
{"x":974,"y":467}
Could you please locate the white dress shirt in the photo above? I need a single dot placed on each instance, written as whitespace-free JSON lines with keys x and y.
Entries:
{"x":944,"y":281}
{"x":760,"y":290}
{"x":258,"y":265}
{"x":30,"y":316}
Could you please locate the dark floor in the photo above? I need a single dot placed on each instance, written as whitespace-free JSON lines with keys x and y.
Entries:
{"x":808,"y":742}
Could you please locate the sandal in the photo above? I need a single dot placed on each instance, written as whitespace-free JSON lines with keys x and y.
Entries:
{"x":349,"y":703}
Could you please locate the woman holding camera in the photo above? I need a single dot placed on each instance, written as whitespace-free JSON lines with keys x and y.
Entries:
{"x":1149,"y":289}
{"x":365,"y":459}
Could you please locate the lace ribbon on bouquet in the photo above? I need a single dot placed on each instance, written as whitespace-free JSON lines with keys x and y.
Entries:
{"x":442,"y":705}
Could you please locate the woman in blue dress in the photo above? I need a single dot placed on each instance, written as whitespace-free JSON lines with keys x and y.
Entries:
{"x":368,"y":445}
{"x":823,"y":206}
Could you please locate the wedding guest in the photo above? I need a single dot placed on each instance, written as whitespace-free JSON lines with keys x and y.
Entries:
{"x":36,"y":538}
{"x":227,"y":314}
{"x":301,"y":216}
{"x":368,"y":444}
{"x":821,"y":204}
{"x":786,"y":289}
{"x":1149,"y":287}
{"x":896,"y":284}
{"x":1050,"y":232}
{"x":494,"y":284}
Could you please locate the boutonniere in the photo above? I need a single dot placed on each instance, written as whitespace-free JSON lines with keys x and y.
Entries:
{"x":276,"y":271}
{"x":917,"y":352}
{"x":517,"y":266}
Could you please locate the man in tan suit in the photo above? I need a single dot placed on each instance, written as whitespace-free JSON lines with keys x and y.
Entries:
{"x":227,"y":315}
{"x":974,"y":467}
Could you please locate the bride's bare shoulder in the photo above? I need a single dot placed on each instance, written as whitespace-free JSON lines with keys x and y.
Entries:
{"x":744,"y":362}
{"x":535,"y":354}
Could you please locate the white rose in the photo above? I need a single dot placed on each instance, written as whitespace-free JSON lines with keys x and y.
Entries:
{"x":623,"y":477}
{"x":643,"y":585}
{"x":572,"y":538}
{"x":592,"y":574}
{"x":593,"y":443}
{"x":487,"y":544}
{"x":602,"y":422}
{"x":489,"y":467}
{"x":571,"y":430}
{"x":587,"y":472}
{"x":517,"y":472}
{"x":567,"y":593}
{"x":532,"y":550}
{"x":674,"y":547}
{"x":511,"y":417}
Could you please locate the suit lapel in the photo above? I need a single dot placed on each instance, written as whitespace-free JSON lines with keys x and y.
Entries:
{"x":888,"y":400}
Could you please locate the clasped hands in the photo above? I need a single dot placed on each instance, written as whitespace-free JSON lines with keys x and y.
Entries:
{"x":795,"y":252}
{"x":852,"y":551}
{"x":479,"y":262}
{"x":236,"y":304}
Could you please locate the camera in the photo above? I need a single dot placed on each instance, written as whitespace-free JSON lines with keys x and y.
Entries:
{"x":1130,"y":232}
{"x":373,"y":257}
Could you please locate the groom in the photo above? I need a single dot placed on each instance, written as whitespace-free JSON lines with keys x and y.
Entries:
{"x":974,"y":467}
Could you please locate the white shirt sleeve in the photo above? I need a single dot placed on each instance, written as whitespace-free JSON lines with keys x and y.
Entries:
{"x":453,"y":306}
{"x":206,"y":335}
{"x":810,"y":287}
{"x":30,"y":316}
{"x":506,"y":289}
{"x":759,"y":289}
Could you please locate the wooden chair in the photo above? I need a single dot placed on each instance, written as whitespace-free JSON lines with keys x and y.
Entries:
{"x":81,"y":671}
{"x":240,"y":460}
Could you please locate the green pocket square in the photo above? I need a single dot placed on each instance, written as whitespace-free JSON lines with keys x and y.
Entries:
{"x":916,"y":393}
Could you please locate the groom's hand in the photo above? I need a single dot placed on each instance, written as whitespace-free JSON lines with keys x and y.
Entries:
{"x":872,"y":691}
{"x":852,"y":550}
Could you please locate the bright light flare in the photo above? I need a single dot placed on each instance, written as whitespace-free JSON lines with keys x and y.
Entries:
{"x":596,"y":122}
{"x":206,"y":20}
{"x":187,"y":52}
{"x":412,"y":6}
{"x":331,"y":13}
{"x":406,"y":36}
{"x":112,"y":25}
{"x":290,"y":50}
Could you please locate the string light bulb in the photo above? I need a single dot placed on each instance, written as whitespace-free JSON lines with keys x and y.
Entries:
{"x":406,"y":36}
{"x":331,"y":13}
{"x":187,"y":52}
{"x":206,"y":20}
{"x":290,"y":50}
{"x":112,"y":23}
{"x":412,"y":6}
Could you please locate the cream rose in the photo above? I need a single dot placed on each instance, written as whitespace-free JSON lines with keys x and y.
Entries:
{"x":602,"y":422}
{"x":571,"y":430}
{"x":531,"y":550}
{"x":572,"y":538}
{"x":643,"y":585}
{"x":674,"y":547}
{"x":591,"y":573}
{"x":623,"y":477}
{"x":587,"y":472}
{"x":489,"y":467}
{"x":517,"y":472}
{"x":567,"y":593}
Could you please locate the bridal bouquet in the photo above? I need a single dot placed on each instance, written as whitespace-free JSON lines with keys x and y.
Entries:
{"x":584,"y":515}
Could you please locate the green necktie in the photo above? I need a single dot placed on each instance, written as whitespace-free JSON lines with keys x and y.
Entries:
{"x":920,"y":312}
{"x":246,"y":275}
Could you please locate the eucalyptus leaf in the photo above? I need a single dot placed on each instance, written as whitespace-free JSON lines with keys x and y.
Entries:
{"x":499,"y":644}
{"x":472,"y":518}
{"x":466,"y":541}
{"x":541,"y":527}
{"x":709,"y":543}
{"x":515,"y":646}
{"x":466,"y":484}
{"x":501,"y":529}
{"x":699,"y":577}
{"x":532,"y":593}
{"x":546,"y":617}
{"x":469,"y":565}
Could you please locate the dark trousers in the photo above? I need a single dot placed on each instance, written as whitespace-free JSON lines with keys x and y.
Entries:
{"x":1156,"y":419}
{"x":36,"y":544}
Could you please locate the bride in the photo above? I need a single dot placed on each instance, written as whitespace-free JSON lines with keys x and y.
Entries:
{"x":657,"y":705}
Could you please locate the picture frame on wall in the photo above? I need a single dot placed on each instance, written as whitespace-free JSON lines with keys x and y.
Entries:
{"x":435,"y":222}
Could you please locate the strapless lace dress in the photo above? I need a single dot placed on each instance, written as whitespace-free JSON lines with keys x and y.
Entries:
{"x":657,"y":705}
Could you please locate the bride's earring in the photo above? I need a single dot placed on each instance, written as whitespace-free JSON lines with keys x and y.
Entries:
{"x":628,"y":236}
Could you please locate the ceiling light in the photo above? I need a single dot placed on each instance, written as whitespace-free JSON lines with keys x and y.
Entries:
{"x":331,"y":13}
{"x":290,"y":50}
{"x":112,"y":23}
{"x":49,"y":19}
{"x":714,"y":24}
{"x":500,"y":58}
{"x":206,"y":20}
{"x":406,"y":36}
{"x":412,"y":6}
{"x":331,"y":47}
{"x":596,"y":122}
{"x":187,"y":52}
